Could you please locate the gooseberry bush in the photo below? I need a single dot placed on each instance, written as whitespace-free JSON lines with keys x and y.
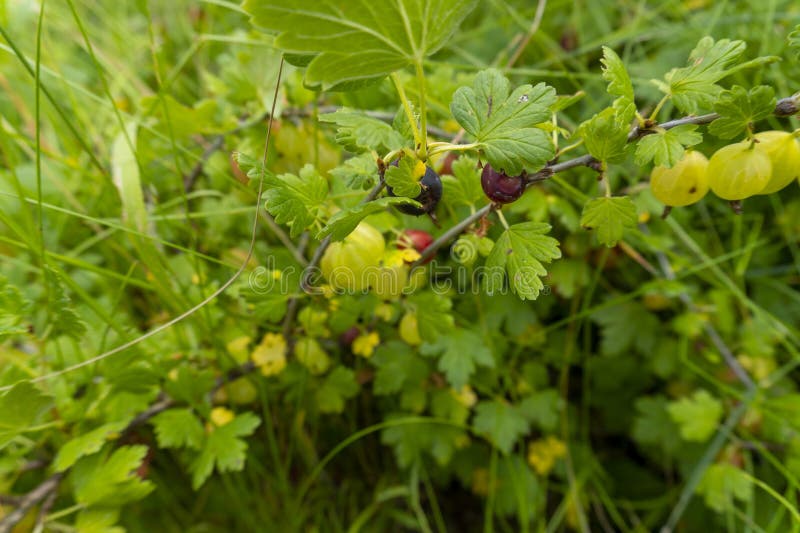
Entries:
{"x":402,"y":265}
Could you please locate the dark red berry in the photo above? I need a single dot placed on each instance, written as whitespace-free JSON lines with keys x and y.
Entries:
{"x":349,"y":335}
{"x":429,"y":196}
{"x":417,"y":239}
{"x":569,"y":39}
{"x":500,"y":187}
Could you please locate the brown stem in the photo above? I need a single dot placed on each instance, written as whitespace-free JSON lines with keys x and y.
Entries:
{"x":27,"y":502}
{"x":44,"y":510}
{"x":452,"y":233}
{"x":537,"y":21}
{"x":191,"y":178}
{"x":783,"y":106}
{"x":726,"y":353}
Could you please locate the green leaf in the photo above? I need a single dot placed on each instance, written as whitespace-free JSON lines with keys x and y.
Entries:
{"x":400,"y":122}
{"x":126,"y":175}
{"x":569,"y":275}
{"x":520,"y":251}
{"x":605,"y":137}
{"x":619,"y":84}
{"x":248,"y":164}
{"x":518,"y":490}
{"x":445,"y":404}
{"x":503,"y":123}
{"x":181,"y":121}
{"x":360,"y":172}
{"x":609,"y":216}
{"x":565,"y":101}
{"x":337,"y":387}
{"x":63,"y":320}
{"x":434,"y":314}
{"x":503,"y":424}
{"x":111,"y":481}
{"x":98,"y":520}
{"x":191,"y":385}
{"x":617,"y":334}
{"x":410,"y":441}
{"x":666,"y":147}
{"x":358,"y":132}
{"x":178,"y":428}
{"x":722,"y":484}
{"x":397,"y":367}
{"x":86,"y":444}
{"x":787,"y":407}
{"x":345,"y":221}
{"x":464,"y":186}
{"x":695,"y":87}
{"x":294,"y":200}
{"x":269,"y":305}
{"x":461,"y":352}
{"x":794,"y":41}
{"x":224,"y":448}
{"x":13,"y":307}
{"x":698,"y":415}
{"x":565,"y":212}
{"x":652,"y":424}
{"x":446,"y":440}
{"x":21,"y":407}
{"x":314,"y":322}
{"x":690,"y":324}
{"x":358,"y":41}
{"x":542,"y":408}
{"x":404,"y":177}
{"x":739,"y":109}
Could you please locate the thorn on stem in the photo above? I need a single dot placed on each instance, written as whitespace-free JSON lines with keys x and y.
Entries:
{"x":787,"y":107}
{"x":597,"y":166}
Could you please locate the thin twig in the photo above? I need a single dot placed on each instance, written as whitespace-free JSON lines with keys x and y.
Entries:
{"x":44,"y":510}
{"x":216,"y":144}
{"x":602,"y":518}
{"x":191,"y":178}
{"x":636,"y":256}
{"x":48,"y":488}
{"x":163,"y":403}
{"x":233,"y":374}
{"x":296,"y":251}
{"x":785,"y":107}
{"x":27,"y":502}
{"x":452,"y":233}
{"x":192,"y":310}
{"x":34,"y":464}
{"x":711,"y":452}
{"x":733,"y":418}
{"x":308,"y":271}
{"x":740,"y":373}
{"x":537,"y":21}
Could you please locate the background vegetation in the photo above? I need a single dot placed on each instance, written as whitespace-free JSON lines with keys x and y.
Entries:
{"x":606,"y":404}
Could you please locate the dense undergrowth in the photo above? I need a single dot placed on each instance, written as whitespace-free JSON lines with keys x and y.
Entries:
{"x":611,"y":371}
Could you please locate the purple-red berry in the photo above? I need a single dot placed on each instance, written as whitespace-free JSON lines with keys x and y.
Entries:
{"x":500,"y":187}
